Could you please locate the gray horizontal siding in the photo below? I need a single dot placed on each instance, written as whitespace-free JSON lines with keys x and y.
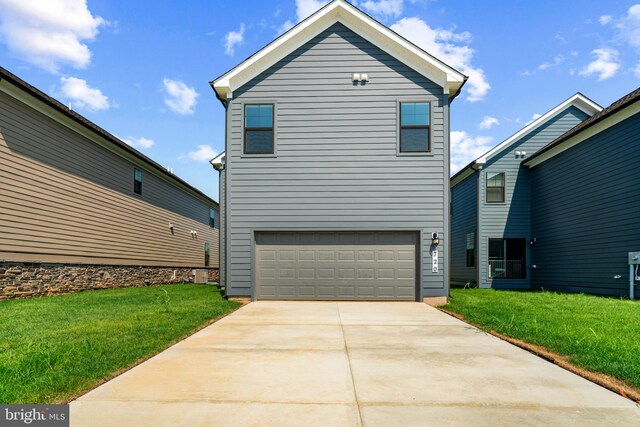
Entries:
{"x":464,"y":220}
{"x":585,"y":213}
{"x":512,"y":218}
{"x":336,"y":166}
{"x":63,"y":198}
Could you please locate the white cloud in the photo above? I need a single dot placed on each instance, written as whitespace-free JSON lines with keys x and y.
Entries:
{"x":180,"y":98}
{"x":605,"y":19}
{"x":232,"y":39}
{"x":488,"y":122}
{"x":204,"y":153}
{"x":139,"y":143}
{"x":605,"y":65}
{"x":629,"y":26}
{"x":535,"y":117}
{"x":557,"y":60}
{"x":49,"y":33}
{"x":450,"y":48}
{"x":383,"y":8}
{"x":636,"y":70}
{"x":305,"y":8}
{"x":465,"y":148}
{"x":82,"y":95}
{"x":286,"y":26}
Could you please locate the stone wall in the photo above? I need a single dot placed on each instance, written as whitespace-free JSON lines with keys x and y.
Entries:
{"x":21,"y":280}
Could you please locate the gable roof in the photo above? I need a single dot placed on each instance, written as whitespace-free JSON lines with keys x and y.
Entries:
{"x":578,"y":100}
{"x":613,"y":114}
{"x":357,"y":21}
{"x":61,"y":111}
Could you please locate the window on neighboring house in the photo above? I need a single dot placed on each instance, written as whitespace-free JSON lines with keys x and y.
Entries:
{"x":495,"y":187}
{"x":258,"y":129}
{"x":507,"y":258}
{"x":206,"y":255}
{"x":137,"y":181}
{"x":212,"y":217}
{"x":415,"y":124}
{"x":471,"y":250}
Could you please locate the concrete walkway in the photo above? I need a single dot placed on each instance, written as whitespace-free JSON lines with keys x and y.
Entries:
{"x":347,"y":364}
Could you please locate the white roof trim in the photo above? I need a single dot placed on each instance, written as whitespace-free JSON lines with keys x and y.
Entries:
{"x":359,"y":22}
{"x":464,"y":174}
{"x":218,"y":161}
{"x":578,"y":100}
{"x":585,"y":134}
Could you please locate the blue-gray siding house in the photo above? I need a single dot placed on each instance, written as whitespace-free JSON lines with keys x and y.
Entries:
{"x":336,"y":167}
{"x":585,"y":210}
{"x":491,"y":204}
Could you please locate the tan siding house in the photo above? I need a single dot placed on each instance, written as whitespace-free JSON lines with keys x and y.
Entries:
{"x":68,"y":196}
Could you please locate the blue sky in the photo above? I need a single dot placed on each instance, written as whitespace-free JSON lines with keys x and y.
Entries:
{"x":141,"y":70}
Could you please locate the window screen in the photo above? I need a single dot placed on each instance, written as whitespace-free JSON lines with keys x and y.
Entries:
{"x":137,"y":181}
{"x":415,"y":124}
{"x":495,"y":187}
{"x":212,"y":217}
{"x":258,"y":129}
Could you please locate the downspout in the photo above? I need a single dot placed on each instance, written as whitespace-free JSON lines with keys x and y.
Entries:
{"x":476,"y":167}
{"x":220,"y":168}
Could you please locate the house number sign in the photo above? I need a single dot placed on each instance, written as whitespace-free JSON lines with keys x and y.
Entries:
{"x":434,"y":259}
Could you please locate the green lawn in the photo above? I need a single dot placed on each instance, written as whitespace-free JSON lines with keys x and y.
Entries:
{"x":598,"y":334}
{"x":53,"y":348}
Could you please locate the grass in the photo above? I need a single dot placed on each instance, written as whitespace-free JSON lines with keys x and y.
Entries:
{"x":54,"y":348}
{"x":595,"y":333}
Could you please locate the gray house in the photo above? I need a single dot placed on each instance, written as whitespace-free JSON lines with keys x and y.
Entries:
{"x":585,"y":210}
{"x":334,"y":182}
{"x":491,"y":203}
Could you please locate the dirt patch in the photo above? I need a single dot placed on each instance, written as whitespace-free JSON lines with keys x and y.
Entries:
{"x":604,"y":380}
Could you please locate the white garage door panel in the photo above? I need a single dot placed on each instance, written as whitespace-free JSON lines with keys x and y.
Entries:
{"x":336,"y":265}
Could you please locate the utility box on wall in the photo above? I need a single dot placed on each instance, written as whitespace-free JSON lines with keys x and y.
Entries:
{"x":200,"y":275}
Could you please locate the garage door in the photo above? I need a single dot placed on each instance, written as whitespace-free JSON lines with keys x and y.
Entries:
{"x":336,"y":265}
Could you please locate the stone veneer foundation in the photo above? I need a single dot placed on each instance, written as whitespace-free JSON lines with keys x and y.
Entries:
{"x":22,"y":280}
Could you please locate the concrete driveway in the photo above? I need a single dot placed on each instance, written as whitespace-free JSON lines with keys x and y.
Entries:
{"x":343,"y":364}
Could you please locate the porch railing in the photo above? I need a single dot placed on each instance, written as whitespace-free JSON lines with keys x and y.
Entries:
{"x":508,"y":269}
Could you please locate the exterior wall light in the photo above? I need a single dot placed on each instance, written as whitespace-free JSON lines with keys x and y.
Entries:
{"x":359,"y":77}
{"x":435,"y":239}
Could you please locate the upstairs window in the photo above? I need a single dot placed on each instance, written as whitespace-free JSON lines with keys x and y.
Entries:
{"x":137,"y":181}
{"x":495,"y":187}
{"x":212,"y":217}
{"x":258,"y":129}
{"x":415,"y":124}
